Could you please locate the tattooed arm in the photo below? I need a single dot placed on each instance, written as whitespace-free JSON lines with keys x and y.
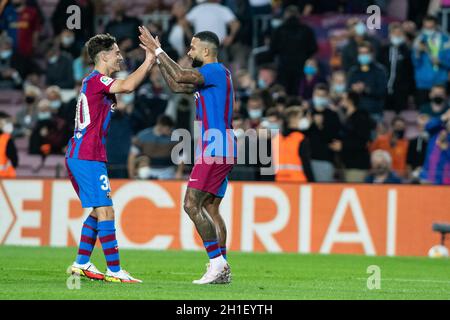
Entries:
{"x":172,"y":71}
{"x":174,"y":85}
{"x":179,"y":74}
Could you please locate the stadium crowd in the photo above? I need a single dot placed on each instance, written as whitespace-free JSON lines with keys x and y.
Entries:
{"x":360,"y":106}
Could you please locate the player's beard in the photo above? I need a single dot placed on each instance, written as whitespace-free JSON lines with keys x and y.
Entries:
{"x":196,"y":63}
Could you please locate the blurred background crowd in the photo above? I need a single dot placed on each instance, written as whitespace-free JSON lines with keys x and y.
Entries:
{"x":354,"y":104}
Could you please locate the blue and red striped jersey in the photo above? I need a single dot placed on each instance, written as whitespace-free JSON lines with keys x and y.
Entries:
{"x":93,"y":114}
{"x":214,"y":108}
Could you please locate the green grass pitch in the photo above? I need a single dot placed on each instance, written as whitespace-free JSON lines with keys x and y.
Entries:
{"x":39,"y":273}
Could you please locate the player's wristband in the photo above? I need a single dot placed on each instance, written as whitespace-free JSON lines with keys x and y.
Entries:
{"x":158,"y":51}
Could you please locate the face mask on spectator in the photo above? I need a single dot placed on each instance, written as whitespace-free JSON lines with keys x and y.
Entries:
{"x":310,"y":70}
{"x":8,"y":128}
{"x":364,"y":59}
{"x":44,"y":115}
{"x":303,"y":124}
{"x":255,"y":113}
{"x":380,"y":170}
{"x":270,"y":125}
{"x":320,"y":103}
{"x":396,"y":41}
{"x":428,"y":32}
{"x":339,"y":88}
{"x":144,"y":172}
{"x":5,"y":54}
{"x":53,"y":59}
{"x":262,"y":84}
{"x":67,"y":41}
{"x":55,"y":104}
{"x":438,"y":100}
{"x":360,"y":29}
{"x":30,"y":99}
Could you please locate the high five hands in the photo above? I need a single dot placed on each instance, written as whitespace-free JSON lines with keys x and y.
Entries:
{"x":148,"y":42}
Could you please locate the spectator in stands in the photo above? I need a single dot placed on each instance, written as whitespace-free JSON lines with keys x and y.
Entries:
{"x":68,"y":44}
{"x":244,"y":169}
{"x":436,"y":169}
{"x":14,"y":68}
{"x":245,"y":85}
{"x":26,"y":118}
{"x":396,"y":144}
{"x":119,"y":138}
{"x":122,"y":26}
{"x":431,"y":58}
{"x":396,"y":57}
{"x":215,"y":17}
{"x":59,"y":68}
{"x":151,"y":101}
{"x":53,"y":94}
{"x":255,"y":110}
{"x":82,"y":66}
{"x":292,"y":43}
{"x":60,"y":17}
{"x":358,"y":35}
{"x":338,"y":86}
{"x":368,"y":79}
{"x":356,"y":133}
{"x":22,"y":23}
{"x":438,"y":103}
{"x":243,"y":42}
{"x":50,"y":134}
{"x":410,"y":30}
{"x":381,"y":169}
{"x":68,"y":109}
{"x":179,"y":34}
{"x":267,"y":76}
{"x":9,"y":159}
{"x":311,"y":77}
{"x":156,"y":144}
{"x":417,"y":148}
{"x":324,"y":130}
{"x":293,"y":160}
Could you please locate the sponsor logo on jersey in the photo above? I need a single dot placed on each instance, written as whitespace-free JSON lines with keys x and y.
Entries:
{"x":106,"y":80}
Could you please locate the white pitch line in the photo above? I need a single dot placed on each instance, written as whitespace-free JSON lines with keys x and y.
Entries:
{"x":410,"y":280}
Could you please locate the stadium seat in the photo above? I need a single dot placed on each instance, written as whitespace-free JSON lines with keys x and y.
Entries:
{"x":443,"y":228}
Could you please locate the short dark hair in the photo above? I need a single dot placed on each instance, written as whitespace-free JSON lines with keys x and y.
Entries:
{"x":165,"y":121}
{"x":431,"y":18}
{"x":4,"y":115}
{"x":321,"y":86}
{"x":98,"y":43}
{"x":209,"y":37}
{"x":366,"y":44}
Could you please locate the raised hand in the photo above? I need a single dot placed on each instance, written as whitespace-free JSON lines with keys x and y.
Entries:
{"x":149,"y":55}
{"x":147,"y":39}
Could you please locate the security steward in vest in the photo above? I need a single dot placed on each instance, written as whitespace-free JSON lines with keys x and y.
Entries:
{"x":293,"y":161}
{"x":8,"y":152}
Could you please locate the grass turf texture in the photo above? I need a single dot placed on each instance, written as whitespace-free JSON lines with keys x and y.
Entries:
{"x":39,"y":273}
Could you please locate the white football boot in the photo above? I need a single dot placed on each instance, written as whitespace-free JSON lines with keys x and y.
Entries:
{"x":120,"y":276}
{"x":87,"y":270}
{"x":214,"y":276}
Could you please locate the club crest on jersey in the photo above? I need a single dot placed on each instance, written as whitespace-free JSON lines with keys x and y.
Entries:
{"x":106,"y":80}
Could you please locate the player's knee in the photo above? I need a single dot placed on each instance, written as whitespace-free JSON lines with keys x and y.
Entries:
{"x":191,"y":208}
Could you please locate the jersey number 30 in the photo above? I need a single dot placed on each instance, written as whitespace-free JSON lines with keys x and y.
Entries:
{"x":82,"y":118}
